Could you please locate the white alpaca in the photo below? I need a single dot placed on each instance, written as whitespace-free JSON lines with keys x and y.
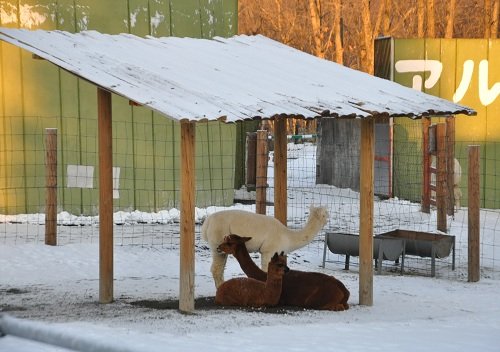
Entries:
{"x":268,"y":235}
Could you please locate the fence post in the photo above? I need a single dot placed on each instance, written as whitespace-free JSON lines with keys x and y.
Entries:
{"x":441,"y":189}
{"x":251,"y":151}
{"x":261,"y":173}
{"x":105,"y":145}
{"x":188,"y":188}
{"x":366,"y":176}
{"x":450,"y":163}
{"x":473,"y":214}
{"x":426,"y":192}
{"x":51,"y":186}
{"x":280,"y":171}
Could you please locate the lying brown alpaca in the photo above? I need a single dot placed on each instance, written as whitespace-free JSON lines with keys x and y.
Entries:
{"x":254,"y":293}
{"x":301,"y":289}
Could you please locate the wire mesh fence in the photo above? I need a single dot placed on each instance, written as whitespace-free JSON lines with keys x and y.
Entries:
{"x":146,"y":184}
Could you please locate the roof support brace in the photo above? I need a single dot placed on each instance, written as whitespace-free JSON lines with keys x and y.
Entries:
{"x":366,"y":174}
{"x":105,"y":196}
{"x":186,"y":275}
{"x":280,"y":170}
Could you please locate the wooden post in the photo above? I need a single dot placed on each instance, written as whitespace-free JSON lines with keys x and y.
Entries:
{"x":450,"y":163}
{"x":51,"y":186}
{"x":251,"y":160}
{"x":186,"y":275}
{"x":441,"y":188}
{"x":426,"y":162}
{"x":280,"y":170}
{"x":261,"y":174}
{"x":366,"y":178}
{"x":473,"y":214}
{"x":105,"y":196}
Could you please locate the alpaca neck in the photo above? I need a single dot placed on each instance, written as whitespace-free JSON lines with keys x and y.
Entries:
{"x":304,"y":236}
{"x":274,"y":285}
{"x":248,"y":265}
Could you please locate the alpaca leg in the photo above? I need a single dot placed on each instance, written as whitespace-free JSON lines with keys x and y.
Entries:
{"x":458,"y":194}
{"x":265,"y":258}
{"x":217,"y":268}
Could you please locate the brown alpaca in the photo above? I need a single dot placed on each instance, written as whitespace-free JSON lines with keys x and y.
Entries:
{"x":250,"y":292}
{"x":301,"y":289}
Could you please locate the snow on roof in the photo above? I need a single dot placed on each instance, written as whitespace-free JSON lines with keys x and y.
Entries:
{"x":243,"y":77}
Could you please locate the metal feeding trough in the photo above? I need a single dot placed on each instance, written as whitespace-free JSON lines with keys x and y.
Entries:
{"x":348,"y":245}
{"x":425,"y":244}
{"x":392,"y":245}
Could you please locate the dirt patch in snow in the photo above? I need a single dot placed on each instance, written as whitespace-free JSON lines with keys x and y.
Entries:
{"x":208,"y":303}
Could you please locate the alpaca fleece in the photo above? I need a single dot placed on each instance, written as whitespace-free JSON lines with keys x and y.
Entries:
{"x":268,"y":235}
{"x":249,"y":292}
{"x":301,"y":289}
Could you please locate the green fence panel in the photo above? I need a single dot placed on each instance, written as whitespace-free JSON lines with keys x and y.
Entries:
{"x":470,"y":76}
{"x":160,"y":24}
{"x":185,"y":19}
{"x":146,"y":144}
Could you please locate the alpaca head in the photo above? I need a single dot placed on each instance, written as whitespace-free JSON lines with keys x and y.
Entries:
{"x":231,"y":242}
{"x":278,"y":264}
{"x":320,"y":214}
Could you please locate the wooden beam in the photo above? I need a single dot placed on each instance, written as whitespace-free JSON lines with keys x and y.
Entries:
{"x":366,"y":177}
{"x":186,"y":276}
{"x":51,"y":186}
{"x":105,"y":196}
{"x":280,"y":170}
{"x":473,"y":215}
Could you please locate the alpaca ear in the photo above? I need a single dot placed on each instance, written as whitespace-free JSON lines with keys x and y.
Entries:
{"x":282,"y":253}
{"x":246,"y":239}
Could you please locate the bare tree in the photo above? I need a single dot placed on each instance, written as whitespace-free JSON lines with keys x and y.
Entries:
{"x":431,"y":23}
{"x":317,"y":30}
{"x":322,"y":29}
{"x":344,"y":30}
{"x":386,"y":18}
{"x":495,"y":13}
{"x":337,"y":30}
{"x":450,"y":18}
{"x":487,"y":18}
{"x":421,"y":18}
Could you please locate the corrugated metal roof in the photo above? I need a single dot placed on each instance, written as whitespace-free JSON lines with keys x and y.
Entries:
{"x":242,"y":77}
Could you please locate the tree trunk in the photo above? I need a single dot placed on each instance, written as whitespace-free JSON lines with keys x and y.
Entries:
{"x":420,"y":18}
{"x":450,"y":19}
{"x":431,"y":23}
{"x":314,"y":13}
{"x":487,"y":19}
{"x":386,"y":20}
{"x":495,"y":18}
{"x":366,"y":51}
{"x":337,"y":30}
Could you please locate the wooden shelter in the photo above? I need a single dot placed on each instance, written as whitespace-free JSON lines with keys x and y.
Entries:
{"x":243,"y":77}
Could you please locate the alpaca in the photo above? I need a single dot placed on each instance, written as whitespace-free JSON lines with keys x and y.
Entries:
{"x":268,"y":235}
{"x":249,"y":292}
{"x":301,"y":289}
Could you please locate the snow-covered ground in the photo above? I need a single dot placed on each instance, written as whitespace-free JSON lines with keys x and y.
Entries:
{"x":57,"y":287}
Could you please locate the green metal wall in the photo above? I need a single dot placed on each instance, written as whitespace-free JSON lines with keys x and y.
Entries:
{"x":36,"y":94}
{"x":481,"y":91}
